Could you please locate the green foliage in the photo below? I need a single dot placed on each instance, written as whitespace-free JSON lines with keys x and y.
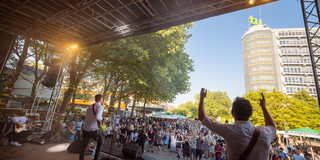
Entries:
{"x":153,"y":67}
{"x":300,"y":110}
{"x":217,"y":104}
{"x":188,"y":109}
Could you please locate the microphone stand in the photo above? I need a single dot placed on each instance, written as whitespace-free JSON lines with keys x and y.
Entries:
{"x":111,"y":142}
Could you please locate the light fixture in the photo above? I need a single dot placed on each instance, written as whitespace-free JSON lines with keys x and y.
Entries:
{"x":251,"y":2}
{"x":74,"y":46}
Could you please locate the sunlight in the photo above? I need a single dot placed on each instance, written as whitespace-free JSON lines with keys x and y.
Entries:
{"x":58,"y":147}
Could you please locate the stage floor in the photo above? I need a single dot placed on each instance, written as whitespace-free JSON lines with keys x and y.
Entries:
{"x":56,"y":151}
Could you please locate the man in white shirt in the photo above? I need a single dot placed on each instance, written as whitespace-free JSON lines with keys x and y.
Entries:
{"x":238,"y":135}
{"x":90,"y":127}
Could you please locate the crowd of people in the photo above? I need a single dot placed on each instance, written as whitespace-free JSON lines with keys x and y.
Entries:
{"x":186,"y":138}
{"x":296,"y":150}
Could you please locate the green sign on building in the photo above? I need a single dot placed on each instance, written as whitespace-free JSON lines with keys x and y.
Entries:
{"x":254,"y":21}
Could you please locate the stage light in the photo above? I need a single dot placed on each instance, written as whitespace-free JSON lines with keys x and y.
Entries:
{"x":251,"y":2}
{"x":74,"y":46}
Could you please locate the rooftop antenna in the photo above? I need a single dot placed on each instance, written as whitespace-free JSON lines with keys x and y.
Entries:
{"x":260,"y":13}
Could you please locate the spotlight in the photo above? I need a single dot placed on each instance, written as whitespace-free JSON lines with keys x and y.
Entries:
{"x":251,"y":2}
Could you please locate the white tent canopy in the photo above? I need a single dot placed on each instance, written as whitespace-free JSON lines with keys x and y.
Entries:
{"x":301,"y":132}
{"x":165,"y":115}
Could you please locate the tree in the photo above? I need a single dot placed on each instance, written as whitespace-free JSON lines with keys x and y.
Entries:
{"x":81,"y":60}
{"x":42,"y":53}
{"x":152,"y":67}
{"x":277,"y":104}
{"x":188,"y":109}
{"x":305,"y":112}
{"x":17,"y":60}
{"x":298,"y":111}
{"x":217,"y":104}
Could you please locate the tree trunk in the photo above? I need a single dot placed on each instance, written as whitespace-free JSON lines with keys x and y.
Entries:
{"x":114,"y":92}
{"x":133,"y":105}
{"x":144,"y":109}
{"x":20,"y":65}
{"x":119,"y":100}
{"x":34,"y":88}
{"x":119,"y":104}
{"x":67,"y":96}
{"x":73,"y":106}
{"x":106,"y":86}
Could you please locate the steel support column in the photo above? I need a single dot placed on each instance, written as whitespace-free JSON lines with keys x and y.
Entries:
{"x":310,"y":11}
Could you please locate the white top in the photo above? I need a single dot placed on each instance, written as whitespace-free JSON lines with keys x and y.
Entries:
{"x":117,"y":120}
{"x":90,"y":123}
{"x":238,"y":135}
{"x":109,"y":129}
{"x":21,"y":119}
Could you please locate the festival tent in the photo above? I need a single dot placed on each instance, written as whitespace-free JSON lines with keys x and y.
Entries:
{"x":302,"y":132}
{"x":165,"y":115}
{"x":179,"y":116}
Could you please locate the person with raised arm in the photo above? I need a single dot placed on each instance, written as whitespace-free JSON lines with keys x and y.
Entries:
{"x":244,"y":141}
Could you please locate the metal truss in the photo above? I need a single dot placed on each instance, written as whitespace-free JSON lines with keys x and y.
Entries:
{"x":200,"y":11}
{"x":89,"y":22}
{"x":54,"y":99}
{"x":310,"y":10}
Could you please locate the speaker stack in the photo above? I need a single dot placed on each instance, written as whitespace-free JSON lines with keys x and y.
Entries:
{"x":132,"y":151}
{"x":51,"y":76}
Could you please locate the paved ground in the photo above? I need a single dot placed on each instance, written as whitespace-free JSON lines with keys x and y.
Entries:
{"x":55,"y":151}
{"x":31,"y":151}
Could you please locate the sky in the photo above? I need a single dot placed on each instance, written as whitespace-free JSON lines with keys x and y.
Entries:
{"x":216,"y":47}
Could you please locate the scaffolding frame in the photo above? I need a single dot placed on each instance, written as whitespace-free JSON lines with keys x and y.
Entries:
{"x":310,"y":12}
{"x":54,"y":98}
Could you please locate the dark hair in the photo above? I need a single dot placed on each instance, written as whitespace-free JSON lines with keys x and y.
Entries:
{"x":97,"y":97}
{"x":241,"y":109}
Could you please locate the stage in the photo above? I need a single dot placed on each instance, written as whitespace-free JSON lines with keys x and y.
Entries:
{"x":58,"y":151}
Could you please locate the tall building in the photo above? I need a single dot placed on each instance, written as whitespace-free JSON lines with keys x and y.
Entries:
{"x":277,"y":59}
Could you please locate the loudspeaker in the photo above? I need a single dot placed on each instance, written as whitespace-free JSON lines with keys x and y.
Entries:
{"x":50,"y":78}
{"x":49,"y":136}
{"x":75,"y":146}
{"x":132,"y":151}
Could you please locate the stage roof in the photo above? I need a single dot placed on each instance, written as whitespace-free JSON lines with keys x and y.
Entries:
{"x":89,"y":22}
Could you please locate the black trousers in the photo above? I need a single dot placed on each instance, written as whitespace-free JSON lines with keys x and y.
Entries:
{"x":142,"y":146}
{"x":87,"y":135}
{"x":19,"y":137}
